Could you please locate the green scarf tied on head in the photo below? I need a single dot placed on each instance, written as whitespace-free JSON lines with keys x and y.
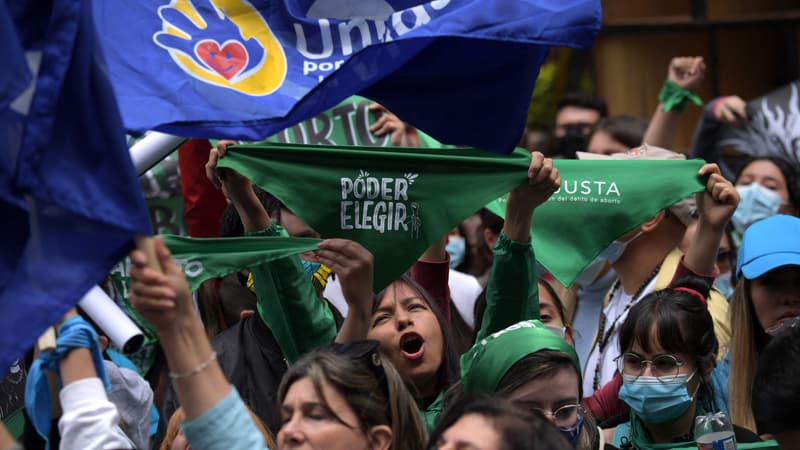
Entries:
{"x":487,"y":362}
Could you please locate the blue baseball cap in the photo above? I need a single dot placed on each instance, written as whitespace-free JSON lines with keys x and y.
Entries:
{"x":767,"y":244}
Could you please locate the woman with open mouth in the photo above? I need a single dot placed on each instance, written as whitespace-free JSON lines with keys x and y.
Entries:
{"x":412,"y":332}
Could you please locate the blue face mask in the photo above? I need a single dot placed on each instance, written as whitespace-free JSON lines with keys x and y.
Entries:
{"x":723,"y":284}
{"x":310,"y":267}
{"x":655,"y":401}
{"x":615,"y":250}
{"x":574,"y":433}
{"x":456,"y":247}
{"x":591,"y":271}
{"x":755,"y":203}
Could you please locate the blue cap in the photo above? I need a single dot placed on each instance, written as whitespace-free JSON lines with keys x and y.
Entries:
{"x":767,"y":244}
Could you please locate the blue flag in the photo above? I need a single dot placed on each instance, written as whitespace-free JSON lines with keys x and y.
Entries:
{"x":460,"y":70}
{"x":70,"y":198}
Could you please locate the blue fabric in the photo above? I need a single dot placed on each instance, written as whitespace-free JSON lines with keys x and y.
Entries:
{"x":73,"y":333}
{"x":719,"y":383}
{"x":460,"y":70}
{"x":70,"y":197}
{"x":226,"y":426}
{"x":122,"y":361}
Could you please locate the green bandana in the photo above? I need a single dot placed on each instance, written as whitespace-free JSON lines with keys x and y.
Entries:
{"x":640,"y":440}
{"x":486,"y":363}
{"x":204,"y":258}
{"x":677,"y":98}
{"x":393,"y":201}
{"x":600,"y":200}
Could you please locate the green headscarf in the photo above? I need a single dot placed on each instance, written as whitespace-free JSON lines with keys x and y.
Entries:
{"x":487,"y":362}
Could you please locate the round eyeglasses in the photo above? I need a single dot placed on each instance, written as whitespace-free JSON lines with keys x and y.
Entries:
{"x":565,"y":417}
{"x":663,"y":367}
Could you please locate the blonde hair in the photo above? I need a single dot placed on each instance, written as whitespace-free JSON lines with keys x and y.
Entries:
{"x":362,"y":389}
{"x":173,"y":429}
{"x":744,"y":349}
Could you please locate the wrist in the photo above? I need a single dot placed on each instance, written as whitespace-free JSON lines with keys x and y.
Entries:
{"x":676,"y":98}
{"x":360,"y":311}
{"x":711,"y":227}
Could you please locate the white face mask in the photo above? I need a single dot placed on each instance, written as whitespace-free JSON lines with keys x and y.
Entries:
{"x":558,"y":331}
{"x":614,"y":251}
{"x":756,"y":203}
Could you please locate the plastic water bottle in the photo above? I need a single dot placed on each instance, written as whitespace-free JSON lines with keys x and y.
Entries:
{"x":714,"y":432}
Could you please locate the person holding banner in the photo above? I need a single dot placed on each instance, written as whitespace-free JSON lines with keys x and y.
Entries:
{"x":666,"y":355}
{"x":645,"y":259}
{"x":408,"y":324}
{"x":215,"y":416}
{"x":419,"y":346}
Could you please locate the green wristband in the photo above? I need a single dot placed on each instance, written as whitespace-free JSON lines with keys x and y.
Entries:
{"x":676,"y":98}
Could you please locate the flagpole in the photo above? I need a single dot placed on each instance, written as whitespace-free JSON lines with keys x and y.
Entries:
{"x":153,"y":148}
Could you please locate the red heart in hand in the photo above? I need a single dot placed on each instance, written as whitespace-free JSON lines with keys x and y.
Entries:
{"x":227,"y":60}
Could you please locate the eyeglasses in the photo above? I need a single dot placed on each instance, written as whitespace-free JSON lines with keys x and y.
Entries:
{"x":565,"y":417}
{"x":663,"y":367}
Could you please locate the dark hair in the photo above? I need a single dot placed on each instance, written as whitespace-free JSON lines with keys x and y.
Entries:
{"x":494,"y":223}
{"x":477,"y":311}
{"x":231,"y":222}
{"x":790,"y":174}
{"x":542,"y":364}
{"x":627,"y":129}
{"x":585,"y":100}
{"x":518,"y":429}
{"x":556,"y":299}
{"x":467,"y":263}
{"x":776,"y":387}
{"x":449,"y":371}
{"x":546,"y":364}
{"x":681,"y":320}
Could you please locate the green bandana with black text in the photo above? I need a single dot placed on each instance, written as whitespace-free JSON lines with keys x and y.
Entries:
{"x":398,"y":201}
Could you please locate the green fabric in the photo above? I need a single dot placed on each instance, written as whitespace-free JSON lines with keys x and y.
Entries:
{"x":600,"y":200}
{"x":15,"y":423}
{"x":394,"y":201}
{"x":676,"y":98}
{"x":205,"y":258}
{"x":347,"y":123}
{"x":288,"y":303}
{"x":512,"y":292}
{"x":431,"y":414}
{"x":485,"y":364}
{"x":635,"y":432}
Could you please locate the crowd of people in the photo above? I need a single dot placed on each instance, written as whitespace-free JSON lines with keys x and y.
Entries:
{"x":694,"y":311}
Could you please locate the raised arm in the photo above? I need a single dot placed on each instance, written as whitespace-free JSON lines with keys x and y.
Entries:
{"x":512,"y":293}
{"x":684,"y":74}
{"x":215,"y":415}
{"x":432,"y":272}
{"x":287,"y":301}
{"x":353,"y":264}
{"x":716,"y":206}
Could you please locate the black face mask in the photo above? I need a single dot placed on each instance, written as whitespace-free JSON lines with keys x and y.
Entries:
{"x":573,"y":141}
